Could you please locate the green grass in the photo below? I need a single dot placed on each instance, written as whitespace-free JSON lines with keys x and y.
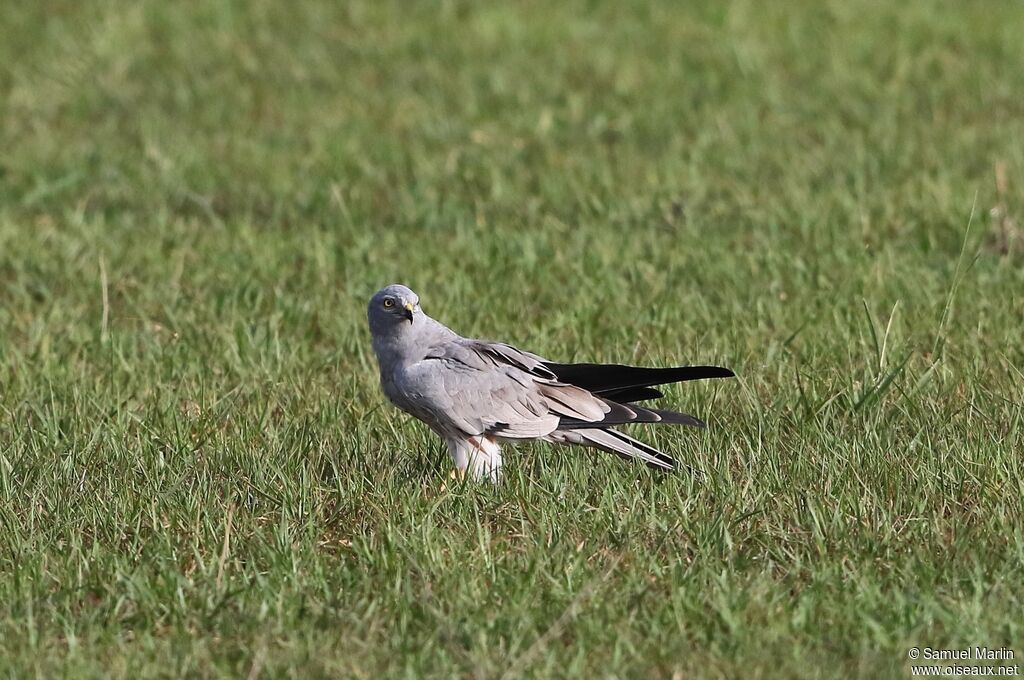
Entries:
{"x":199,"y":476}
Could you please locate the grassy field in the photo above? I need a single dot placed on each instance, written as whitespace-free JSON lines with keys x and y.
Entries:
{"x":199,"y":475}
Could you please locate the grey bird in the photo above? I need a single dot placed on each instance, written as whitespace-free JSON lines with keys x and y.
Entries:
{"x":477,"y":394}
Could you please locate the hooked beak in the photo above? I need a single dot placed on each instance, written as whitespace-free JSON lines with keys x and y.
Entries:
{"x":408,"y":311}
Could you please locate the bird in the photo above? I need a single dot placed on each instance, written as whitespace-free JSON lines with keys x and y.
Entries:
{"x":477,"y":395}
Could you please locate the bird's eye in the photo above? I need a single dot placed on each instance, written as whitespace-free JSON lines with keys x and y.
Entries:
{"x":388,"y":303}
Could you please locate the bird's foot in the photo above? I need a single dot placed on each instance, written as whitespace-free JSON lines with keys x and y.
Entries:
{"x":456,"y":474}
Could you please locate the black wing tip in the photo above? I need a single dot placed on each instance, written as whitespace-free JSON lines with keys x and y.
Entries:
{"x":674,"y":417}
{"x":631,"y":394}
{"x":696,"y":422}
{"x":622,"y":378}
{"x":711,"y":371}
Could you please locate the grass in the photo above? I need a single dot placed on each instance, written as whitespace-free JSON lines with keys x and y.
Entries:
{"x":199,"y":476}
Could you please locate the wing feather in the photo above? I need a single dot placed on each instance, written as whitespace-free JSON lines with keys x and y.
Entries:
{"x":494,"y":388}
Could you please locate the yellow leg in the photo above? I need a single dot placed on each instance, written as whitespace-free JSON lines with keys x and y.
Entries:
{"x":456,"y":473}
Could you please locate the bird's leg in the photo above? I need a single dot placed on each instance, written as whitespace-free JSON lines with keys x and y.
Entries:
{"x":460,"y":458}
{"x":484,"y":458}
{"x":480,"y":457}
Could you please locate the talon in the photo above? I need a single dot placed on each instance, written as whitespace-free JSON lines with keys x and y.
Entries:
{"x":456,"y":474}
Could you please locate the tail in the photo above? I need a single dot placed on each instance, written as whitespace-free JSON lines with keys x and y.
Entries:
{"x":615,"y":442}
{"x":620,"y":387}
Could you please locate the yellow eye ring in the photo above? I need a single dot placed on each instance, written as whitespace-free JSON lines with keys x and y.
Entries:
{"x":389,"y":303}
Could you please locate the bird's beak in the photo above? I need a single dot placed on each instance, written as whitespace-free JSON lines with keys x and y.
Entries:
{"x":408,"y":311}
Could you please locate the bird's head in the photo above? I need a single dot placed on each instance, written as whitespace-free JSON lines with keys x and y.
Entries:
{"x":393,"y":310}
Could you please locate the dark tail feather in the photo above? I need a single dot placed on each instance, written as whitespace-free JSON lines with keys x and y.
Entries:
{"x":628,"y":394}
{"x":631,"y":414}
{"x":617,"y":443}
{"x":623,"y":381}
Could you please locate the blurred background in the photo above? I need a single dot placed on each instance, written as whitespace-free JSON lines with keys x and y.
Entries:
{"x":325,"y":148}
